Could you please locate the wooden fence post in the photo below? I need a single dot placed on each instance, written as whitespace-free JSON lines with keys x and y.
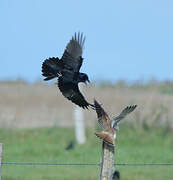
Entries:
{"x":0,"y":160}
{"x":107,"y":163}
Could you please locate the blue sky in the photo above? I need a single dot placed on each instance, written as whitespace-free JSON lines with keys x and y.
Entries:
{"x":125,"y":39}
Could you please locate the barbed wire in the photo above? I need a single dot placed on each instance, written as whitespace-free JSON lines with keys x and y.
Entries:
{"x":82,"y":164}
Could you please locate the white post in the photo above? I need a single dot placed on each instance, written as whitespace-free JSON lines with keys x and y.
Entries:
{"x":0,"y":160}
{"x":79,"y":123}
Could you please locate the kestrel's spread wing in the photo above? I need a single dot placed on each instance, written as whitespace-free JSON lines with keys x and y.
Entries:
{"x":71,"y":91}
{"x":123,"y":114}
{"x":72,"y":57}
{"x":103,"y":118}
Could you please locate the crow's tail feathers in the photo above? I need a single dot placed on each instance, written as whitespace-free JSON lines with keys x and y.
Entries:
{"x":51,"y":68}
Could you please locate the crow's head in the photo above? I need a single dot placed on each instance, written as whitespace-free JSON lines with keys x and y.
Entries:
{"x":83,"y":78}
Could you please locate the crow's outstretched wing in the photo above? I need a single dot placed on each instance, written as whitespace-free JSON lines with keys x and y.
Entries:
{"x":123,"y":114}
{"x":72,"y":57}
{"x":103,"y":119}
{"x":71,"y":91}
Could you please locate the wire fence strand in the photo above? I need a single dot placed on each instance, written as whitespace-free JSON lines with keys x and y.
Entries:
{"x":82,"y":164}
{"x":144,"y":164}
{"x":49,"y":164}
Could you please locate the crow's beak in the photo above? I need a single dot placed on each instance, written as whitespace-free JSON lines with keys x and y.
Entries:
{"x":87,"y":81}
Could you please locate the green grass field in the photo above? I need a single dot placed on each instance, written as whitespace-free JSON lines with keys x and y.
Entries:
{"x":48,"y":145}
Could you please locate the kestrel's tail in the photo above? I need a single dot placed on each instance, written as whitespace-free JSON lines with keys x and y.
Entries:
{"x":106,"y":138}
{"x":51,"y":68}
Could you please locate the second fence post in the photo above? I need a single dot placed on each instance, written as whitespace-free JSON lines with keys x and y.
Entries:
{"x":0,"y":160}
{"x":79,"y":123}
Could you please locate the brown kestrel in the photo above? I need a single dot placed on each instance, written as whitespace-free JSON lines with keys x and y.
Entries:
{"x":110,"y":125}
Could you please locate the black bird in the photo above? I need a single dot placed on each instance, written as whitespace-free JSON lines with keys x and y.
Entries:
{"x":116,"y":175}
{"x":67,"y":70}
{"x":70,"y":146}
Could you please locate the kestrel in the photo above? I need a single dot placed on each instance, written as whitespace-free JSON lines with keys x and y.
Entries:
{"x":110,"y":125}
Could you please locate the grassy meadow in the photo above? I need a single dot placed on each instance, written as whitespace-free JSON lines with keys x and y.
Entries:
{"x":48,"y":145}
{"x":36,"y":124}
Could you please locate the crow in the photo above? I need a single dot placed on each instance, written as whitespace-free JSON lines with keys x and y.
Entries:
{"x":70,"y":146}
{"x":67,"y":70}
{"x":110,"y":125}
{"x":116,"y":175}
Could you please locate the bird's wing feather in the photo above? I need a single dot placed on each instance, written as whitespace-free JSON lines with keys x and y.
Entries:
{"x":72,"y":57}
{"x":123,"y":114}
{"x":71,"y":92}
{"x":103,"y":119}
{"x":51,"y":68}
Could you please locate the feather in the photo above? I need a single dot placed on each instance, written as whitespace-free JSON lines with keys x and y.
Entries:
{"x":107,"y":138}
{"x":71,"y":92}
{"x":103,"y":118}
{"x":123,"y":114}
{"x":72,"y":57}
{"x":51,"y":68}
